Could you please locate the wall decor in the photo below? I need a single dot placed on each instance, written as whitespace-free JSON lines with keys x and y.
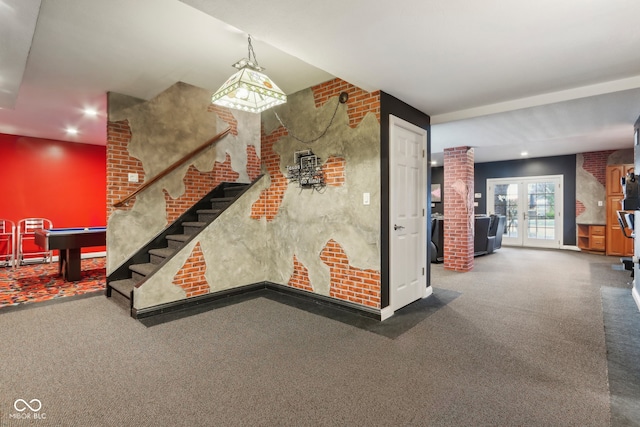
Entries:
{"x":436,"y":193}
{"x":307,"y":170}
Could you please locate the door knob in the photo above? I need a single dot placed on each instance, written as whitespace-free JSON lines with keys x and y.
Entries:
{"x":397,"y":227}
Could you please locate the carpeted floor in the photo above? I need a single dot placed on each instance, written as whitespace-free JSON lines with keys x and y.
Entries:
{"x":41,"y":282}
{"x":519,"y":341}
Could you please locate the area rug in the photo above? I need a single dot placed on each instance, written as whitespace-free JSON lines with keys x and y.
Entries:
{"x":41,"y":282}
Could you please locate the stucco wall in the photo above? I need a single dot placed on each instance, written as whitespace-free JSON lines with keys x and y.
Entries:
{"x":162,"y":130}
{"x":308,"y":220}
{"x":591,"y":183}
{"x":276,"y":231}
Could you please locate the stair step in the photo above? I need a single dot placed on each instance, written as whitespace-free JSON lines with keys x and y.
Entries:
{"x":234,"y":190}
{"x":193,"y":227}
{"x":176,"y":241}
{"x":221,"y":202}
{"x":124,"y":287}
{"x":160,"y":254}
{"x":140,"y":271}
{"x":207,"y":215}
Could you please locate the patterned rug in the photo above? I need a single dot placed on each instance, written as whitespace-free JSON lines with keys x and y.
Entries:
{"x":40,"y":282}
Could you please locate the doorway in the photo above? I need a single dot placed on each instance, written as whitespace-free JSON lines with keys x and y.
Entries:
{"x":533,"y":209}
{"x":407,"y":213}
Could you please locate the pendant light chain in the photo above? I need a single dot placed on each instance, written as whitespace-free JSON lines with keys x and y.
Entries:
{"x":251,"y":52}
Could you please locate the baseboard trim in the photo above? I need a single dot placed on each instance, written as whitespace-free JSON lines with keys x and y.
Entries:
{"x":248,"y":290}
{"x":636,"y":296}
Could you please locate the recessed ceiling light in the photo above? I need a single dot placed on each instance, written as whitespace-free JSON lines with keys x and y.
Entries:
{"x":71,"y":131}
{"x":92,"y":112}
{"x":433,"y":162}
{"x":524,"y":153}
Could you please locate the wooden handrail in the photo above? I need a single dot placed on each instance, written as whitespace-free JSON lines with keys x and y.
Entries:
{"x":171,"y":168}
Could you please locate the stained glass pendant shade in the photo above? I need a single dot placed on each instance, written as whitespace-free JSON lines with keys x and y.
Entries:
{"x":249,"y":89}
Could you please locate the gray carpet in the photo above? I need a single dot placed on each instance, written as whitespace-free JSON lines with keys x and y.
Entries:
{"x":519,"y":342}
{"x":622,"y":326}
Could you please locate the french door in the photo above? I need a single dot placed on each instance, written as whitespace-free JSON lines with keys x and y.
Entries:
{"x":533,"y":209}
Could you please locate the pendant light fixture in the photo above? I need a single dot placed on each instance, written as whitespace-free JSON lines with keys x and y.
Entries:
{"x":249,"y":89}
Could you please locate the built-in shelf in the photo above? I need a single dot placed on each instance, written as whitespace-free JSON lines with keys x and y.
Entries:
{"x":591,"y":237}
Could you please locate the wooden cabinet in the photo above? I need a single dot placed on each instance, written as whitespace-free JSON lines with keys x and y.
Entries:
{"x":591,"y":237}
{"x":616,"y":244}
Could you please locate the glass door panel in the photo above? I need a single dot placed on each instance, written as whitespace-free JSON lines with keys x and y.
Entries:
{"x":540,"y":216}
{"x":532,"y":207}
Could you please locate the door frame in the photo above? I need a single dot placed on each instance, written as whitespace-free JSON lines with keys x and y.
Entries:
{"x":394,"y":121}
{"x":559,"y":208}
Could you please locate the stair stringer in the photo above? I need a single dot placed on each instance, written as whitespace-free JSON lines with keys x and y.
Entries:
{"x":235,"y":253}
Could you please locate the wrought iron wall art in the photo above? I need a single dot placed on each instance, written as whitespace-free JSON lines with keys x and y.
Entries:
{"x":307,"y":170}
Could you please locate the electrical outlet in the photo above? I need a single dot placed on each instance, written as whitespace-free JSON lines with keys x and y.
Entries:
{"x":366,"y":199}
{"x":600,"y":203}
{"x":133,"y":177}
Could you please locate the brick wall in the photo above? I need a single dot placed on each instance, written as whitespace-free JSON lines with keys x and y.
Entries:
{"x":300,"y":277}
{"x":347,"y":283}
{"x":191,"y":276}
{"x":595,"y":163}
{"x":197,"y":184}
{"x":360,"y":102}
{"x":458,"y":208}
{"x":119,"y":165}
{"x":333,"y":170}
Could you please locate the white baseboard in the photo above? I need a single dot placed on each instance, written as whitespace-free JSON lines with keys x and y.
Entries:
{"x":386,"y":313}
{"x":428,"y":291}
{"x":636,"y":296}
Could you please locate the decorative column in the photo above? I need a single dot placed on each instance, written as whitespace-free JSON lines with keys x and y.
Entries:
{"x":458,"y":209}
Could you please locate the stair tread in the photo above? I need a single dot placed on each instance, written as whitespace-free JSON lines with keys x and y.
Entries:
{"x":222,"y":199}
{"x":124,"y":286}
{"x":143,"y":269}
{"x":208,"y":211}
{"x":194,"y":224}
{"x":179,"y":237}
{"x":163,"y":252}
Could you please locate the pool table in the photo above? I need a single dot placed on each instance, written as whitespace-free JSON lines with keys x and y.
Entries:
{"x":68,"y":242}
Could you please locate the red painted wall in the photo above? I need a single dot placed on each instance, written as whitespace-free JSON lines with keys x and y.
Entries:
{"x":62,"y":181}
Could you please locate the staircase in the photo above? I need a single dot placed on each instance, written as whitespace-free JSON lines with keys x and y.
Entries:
{"x":152,"y":256}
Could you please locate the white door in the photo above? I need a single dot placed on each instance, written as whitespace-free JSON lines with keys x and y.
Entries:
{"x":408,"y":195}
{"x":533,"y":209}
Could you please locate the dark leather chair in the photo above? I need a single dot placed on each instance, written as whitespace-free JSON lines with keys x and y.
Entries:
{"x":482,"y":242}
{"x":496,"y":228}
{"x":437,"y":240}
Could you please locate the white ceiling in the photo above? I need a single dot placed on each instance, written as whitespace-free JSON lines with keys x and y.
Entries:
{"x":544,"y":76}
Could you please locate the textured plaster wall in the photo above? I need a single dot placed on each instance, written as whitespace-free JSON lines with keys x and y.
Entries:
{"x":589,"y":190}
{"x":307,"y":220}
{"x":163,"y":130}
{"x":235,"y":252}
{"x":591,"y":183}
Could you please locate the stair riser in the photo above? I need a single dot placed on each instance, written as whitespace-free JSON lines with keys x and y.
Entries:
{"x":219,"y":205}
{"x":154,"y":259}
{"x":206,"y":217}
{"x":232,"y":192}
{"x":137,"y":276}
{"x":174,"y":244}
{"x":191,"y":230}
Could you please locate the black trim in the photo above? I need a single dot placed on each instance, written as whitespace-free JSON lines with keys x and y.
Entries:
{"x":217,"y":297}
{"x":391,"y":105}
